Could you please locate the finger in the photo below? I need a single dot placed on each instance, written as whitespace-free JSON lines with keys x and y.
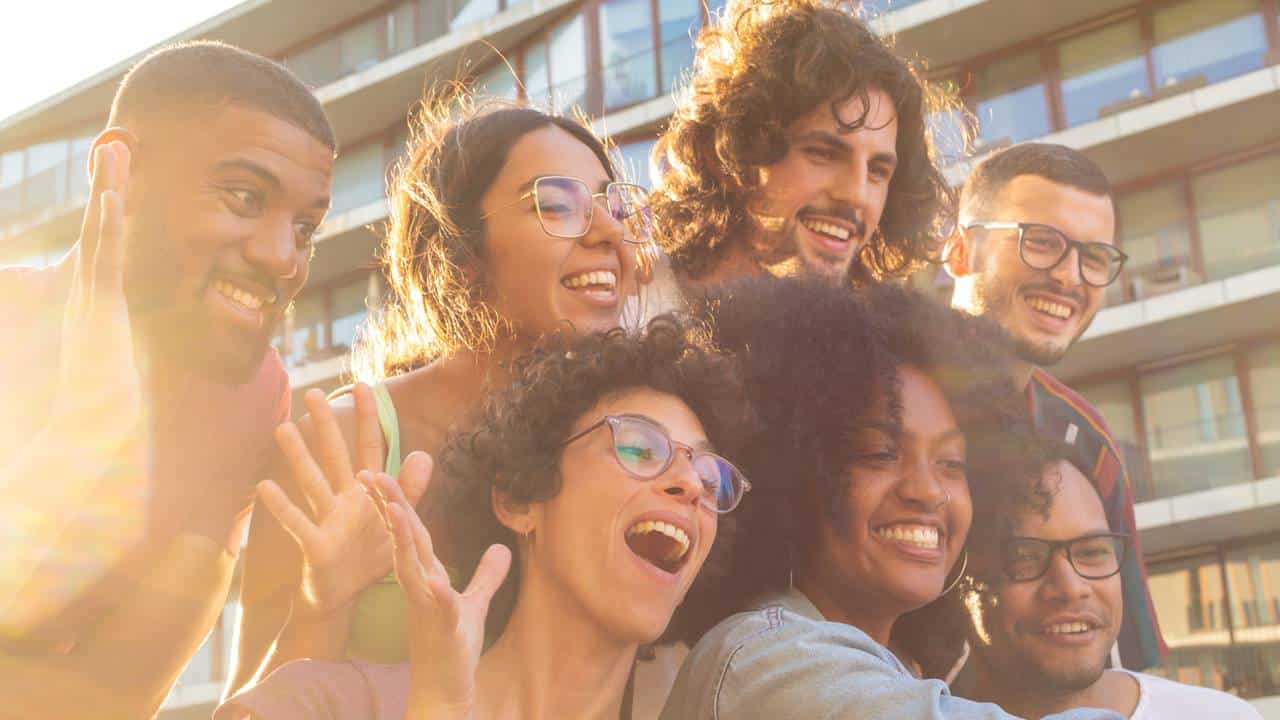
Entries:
{"x":108,"y":270}
{"x":421,"y":538}
{"x":490,"y":573}
{"x":330,"y":446}
{"x":448,"y":602}
{"x":307,"y":475}
{"x":365,"y":478}
{"x":103,"y":159}
{"x":369,"y":452}
{"x":415,"y":476}
{"x":291,"y":517}
{"x":406,"y":564}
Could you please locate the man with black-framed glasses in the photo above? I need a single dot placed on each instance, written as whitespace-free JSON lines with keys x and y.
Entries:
{"x":1045,"y":604}
{"x":1034,"y":250}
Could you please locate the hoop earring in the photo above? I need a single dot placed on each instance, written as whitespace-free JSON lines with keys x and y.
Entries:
{"x":964,"y":565}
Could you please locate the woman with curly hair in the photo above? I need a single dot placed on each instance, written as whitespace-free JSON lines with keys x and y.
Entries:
{"x":597,"y":470}
{"x":506,"y":223}
{"x":886,"y":421}
{"x":799,"y":143}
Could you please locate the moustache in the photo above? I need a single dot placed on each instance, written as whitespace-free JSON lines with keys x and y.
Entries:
{"x":1054,"y":288}
{"x":839,"y":212}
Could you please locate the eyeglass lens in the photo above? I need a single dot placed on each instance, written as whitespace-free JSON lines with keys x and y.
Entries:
{"x":565,"y":206}
{"x":645,"y":451}
{"x":1093,"y":557}
{"x":1044,"y":247}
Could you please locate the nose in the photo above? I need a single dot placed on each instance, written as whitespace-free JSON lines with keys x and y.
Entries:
{"x":1067,"y":271}
{"x":681,"y":480}
{"x":1062,"y":581}
{"x":273,"y":249}
{"x":605,"y":229}
{"x":919,"y":486}
{"x":851,"y":187}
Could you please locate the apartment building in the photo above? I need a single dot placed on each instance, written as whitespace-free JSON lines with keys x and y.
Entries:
{"x":1178,"y":100}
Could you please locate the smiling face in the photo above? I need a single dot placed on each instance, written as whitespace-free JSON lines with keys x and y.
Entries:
{"x":541,"y":283}
{"x":907,"y":511}
{"x":220,"y":235}
{"x":1043,"y":311}
{"x":820,"y":203}
{"x":623,"y":550}
{"x":1054,"y":633}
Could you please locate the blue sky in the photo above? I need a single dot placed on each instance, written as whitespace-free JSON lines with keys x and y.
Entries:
{"x":47,"y":46}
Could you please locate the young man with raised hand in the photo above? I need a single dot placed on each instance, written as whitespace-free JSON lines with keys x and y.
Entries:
{"x":1046,"y":605}
{"x":1034,"y":251}
{"x":800,"y":145}
{"x":141,"y":388}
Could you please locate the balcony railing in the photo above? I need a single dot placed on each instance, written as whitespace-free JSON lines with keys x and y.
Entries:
{"x":52,"y":189}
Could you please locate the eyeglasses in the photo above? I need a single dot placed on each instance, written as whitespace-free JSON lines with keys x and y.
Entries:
{"x":1093,"y":557}
{"x":565,"y":206}
{"x":1043,"y":247}
{"x":644,"y":450}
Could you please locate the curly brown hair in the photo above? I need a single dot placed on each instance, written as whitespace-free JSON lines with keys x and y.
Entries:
{"x":759,"y":68}
{"x":516,"y":445}
{"x":433,"y":256}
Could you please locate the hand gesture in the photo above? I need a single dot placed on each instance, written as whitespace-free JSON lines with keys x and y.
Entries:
{"x":446,"y":628}
{"x":344,"y":541}
{"x":99,"y":387}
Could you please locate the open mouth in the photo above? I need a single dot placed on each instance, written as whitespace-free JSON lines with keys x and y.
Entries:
{"x":925,"y":537}
{"x":242,"y":297}
{"x":835,"y":237}
{"x":599,"y":285}
{"x":1069,"y":628}
{"x":1045,"y":306}
{"x":660,"y":544}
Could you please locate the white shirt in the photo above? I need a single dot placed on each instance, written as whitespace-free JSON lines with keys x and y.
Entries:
{"x":1161,"y":699}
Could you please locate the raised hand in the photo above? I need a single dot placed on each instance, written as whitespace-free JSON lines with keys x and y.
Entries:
{"x":344,"y":540}
{"x":99,"y":390}
{"x":446,"y":627}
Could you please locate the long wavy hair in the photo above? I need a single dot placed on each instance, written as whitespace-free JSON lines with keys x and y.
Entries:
{"x":761,"y":66}
{"x":433,"y":256}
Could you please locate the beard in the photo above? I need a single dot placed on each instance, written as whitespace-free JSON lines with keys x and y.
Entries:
{"x":777,"y":249}
{"x":996,"y":301}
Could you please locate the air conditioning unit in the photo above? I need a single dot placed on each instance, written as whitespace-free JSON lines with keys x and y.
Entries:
{"x":1160,"y":279}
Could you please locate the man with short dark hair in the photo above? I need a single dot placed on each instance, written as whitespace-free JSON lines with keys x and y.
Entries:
{"x":141,"y":389}
{"x":1034,"y":251}
{"x":800,"y":146}
{"x":1046,"y":607}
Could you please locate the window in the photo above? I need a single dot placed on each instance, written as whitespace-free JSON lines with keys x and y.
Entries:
{"x":567,"y":54}
{"x":1010,"y":100}
{"x":1195,"y":427}
{"x":1264,"y":382}
{"x":349,"y":310}
{"x":678,"y":22}
{"x":1239,"y":214}
{"x":537,"y":76}
{"x":46,"y":174}
{"x":626,"y":52}
{"x":358,"y":178}
{"x":469,"y":11}
{"x":497,"y":82}
{"x":633,"y":165}
{"x":1101,"y":68}
{"x":948,"y":128}
{"x":1156,"y":233}
{"x":401,"y":33}
{"x":304,"y":329}
{"x":1213,"y":40}
{"x":1114,"y":400}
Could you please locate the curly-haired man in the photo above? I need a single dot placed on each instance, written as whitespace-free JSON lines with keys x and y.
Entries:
{"x":800,"y":144}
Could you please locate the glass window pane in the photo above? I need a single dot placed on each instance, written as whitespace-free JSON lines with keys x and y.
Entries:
{"x":433,"y":19}
{"x":1216,"y":40}
{"x":567,"y":54}
{"x":358,"y":47}
{"x":626,"y":52}
{"x":633,"y":166}
{"x":469,"y":11}
{"x":401,"y":33}
{"x":79,"y":168}
{"x":1195,"y":427}
{"x":316,"y":66}
{"x":10,"y":168}
{"x":1100,"y":68}
{"x":1113,"y":400}
{"x":305,"y":330}
{"x":358,"y":177}
{"x":1239,"y":214}
{"x":1264,"y":381}
{"x":678,"y":22}
{"x":1253,"y":579}
{"x":349,"y":310}
{"x":497,"y":82}
{"x":537,"y":78}
{"x":1155,"y":232}
{"x":1010,"y":100}
{"x":1190,"y":601}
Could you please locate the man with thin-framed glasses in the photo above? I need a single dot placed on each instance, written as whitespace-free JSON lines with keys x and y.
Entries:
{"x":1034,"y":250}
{"x":1045,"y":604}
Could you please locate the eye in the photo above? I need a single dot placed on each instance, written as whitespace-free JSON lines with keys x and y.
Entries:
{"x":959,"y":467}
{"x":881,"y":172}
{"x":306,"y":232}
{"x":820,"y":153}
{"x":879,"y":458}
{"x":243,"y":201}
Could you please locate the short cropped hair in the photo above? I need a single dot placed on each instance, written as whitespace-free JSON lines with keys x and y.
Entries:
{"x":1055,"y":163}
{"x":170,"y":84}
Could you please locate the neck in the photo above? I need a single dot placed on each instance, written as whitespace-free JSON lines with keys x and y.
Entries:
{"x":875,"y":622}
{"x":1112,"y":691}
{"x":736,"y":262}
{"x":468,"y":374}
{"x":963,"y":298}
{"x":1021,"y":373}
{"x":553,"y":660}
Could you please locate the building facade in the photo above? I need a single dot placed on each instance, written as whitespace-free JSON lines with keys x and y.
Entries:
{"x":1177,"y":100}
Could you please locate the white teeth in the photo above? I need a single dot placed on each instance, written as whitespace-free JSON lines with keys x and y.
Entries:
{"x":239,"y":296}
{"x":827,"y":228}
{"x":1057,"y":310}
{"x":671,"y":531}
{"x":1067,"y":628}
{"x":924,"y":536}
{"x":605,"y":278}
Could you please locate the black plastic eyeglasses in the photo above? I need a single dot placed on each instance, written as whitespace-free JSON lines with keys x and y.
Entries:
{"x":1043,"y":247}
{"x":1093,"y":557}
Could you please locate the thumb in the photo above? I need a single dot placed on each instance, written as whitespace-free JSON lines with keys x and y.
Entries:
{"x":415,"y":476}
{"x":490,"y":573}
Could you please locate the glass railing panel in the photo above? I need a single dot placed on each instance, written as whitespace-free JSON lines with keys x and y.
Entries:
{"x":469,"y":11}
{"x":1101,"y":68}
{"x":359,"y":178}
{"x":1010,"y":100}
{"x":1199,"y":42}
{"x":349,"y":311}
{"x":678,"y":23}
{"x":1239,"y":212}
{"x":626,"y":52}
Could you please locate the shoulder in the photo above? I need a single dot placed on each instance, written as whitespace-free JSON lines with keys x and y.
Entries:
{"x":1165,"y":698}
{"x":1062,"y":392}
{"x":323,"y":690}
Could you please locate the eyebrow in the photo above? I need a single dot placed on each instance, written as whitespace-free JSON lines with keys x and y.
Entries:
{"x":265,"y":175}
{"x":835,"y":142}
{"x":948,"y":436}
{"x":527,"y":185}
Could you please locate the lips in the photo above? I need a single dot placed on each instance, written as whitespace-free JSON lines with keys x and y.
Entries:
{"x":1053,"y":308}
{"x":665,"y":544}
{"x":241,"y":301}
{"x":834,"y":235}
{"x":597,"y":286}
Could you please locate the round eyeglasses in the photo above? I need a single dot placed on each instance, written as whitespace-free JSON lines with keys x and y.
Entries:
{"x":565,"y":206}
{"x":1093,"y":557}
{"x":644,"y":450}
{"x":1043,"y":247}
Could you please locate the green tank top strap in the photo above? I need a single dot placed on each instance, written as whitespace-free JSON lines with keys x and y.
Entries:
{"x":390,"y":427}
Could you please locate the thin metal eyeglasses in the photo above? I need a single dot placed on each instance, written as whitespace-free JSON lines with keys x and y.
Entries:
{"x":644,"y":450}
{"x":1093,"y":557}
{"x":1043,"y":247}
{"x":565,"y":207}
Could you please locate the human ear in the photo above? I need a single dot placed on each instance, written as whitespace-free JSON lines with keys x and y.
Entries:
{"x":957,"y":253}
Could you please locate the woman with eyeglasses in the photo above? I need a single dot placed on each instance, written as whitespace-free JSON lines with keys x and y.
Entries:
{"x":506,"y":224}
{"x":883,"y":416}
{"x":588,"y":497}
